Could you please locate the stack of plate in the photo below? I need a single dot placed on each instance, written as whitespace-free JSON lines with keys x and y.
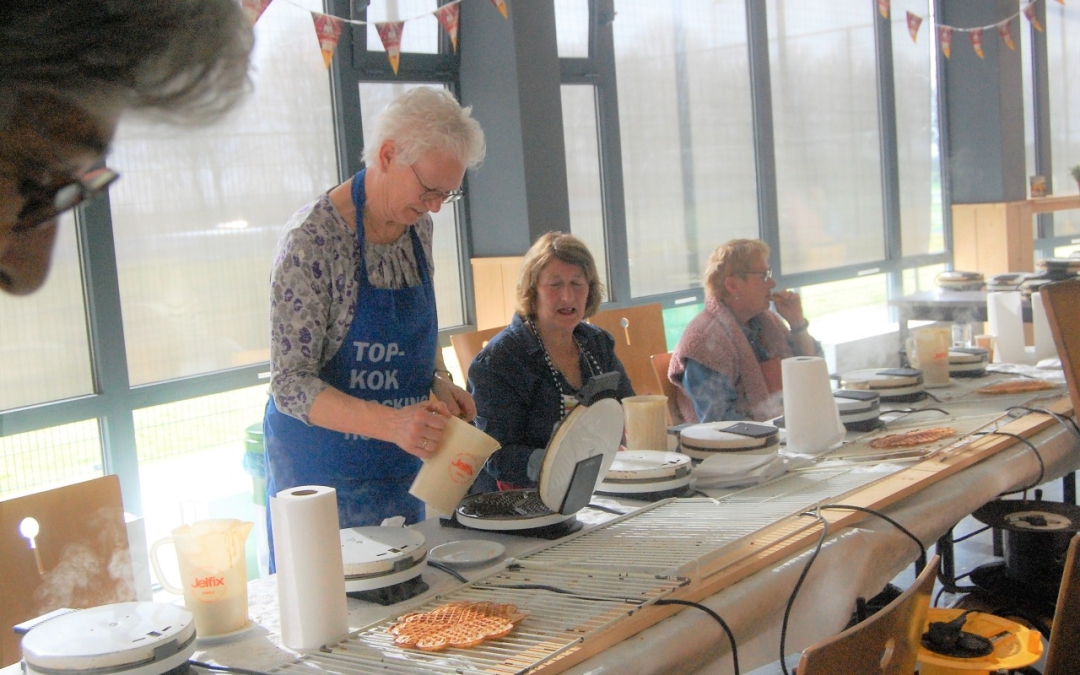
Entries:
{"x":960,"y":281}
{"x":968,"y":361}
{"x":893,"y":384}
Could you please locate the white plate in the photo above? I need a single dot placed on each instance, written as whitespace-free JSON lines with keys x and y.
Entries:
{"x":467,"y":552}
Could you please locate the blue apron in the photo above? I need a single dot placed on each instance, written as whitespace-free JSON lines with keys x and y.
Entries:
{"x":388,"y":357}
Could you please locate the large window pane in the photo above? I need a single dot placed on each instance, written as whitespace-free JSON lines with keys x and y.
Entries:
{"x":914,"y":81}
{"x":828,"y":170}
{"x":43,"y":339}
{"x":49,"y":458}
{"x":685,"y":121}
{"x":420,"y":33}
{"x":198,"y":213}
{"x":572,"y":27}
{"x":374,"y":97}
{"x":583,"y":172}
{"x":1063,"y":47}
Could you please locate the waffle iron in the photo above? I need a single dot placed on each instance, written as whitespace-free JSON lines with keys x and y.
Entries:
{"x":133,"y":638}
{"x":701,"y":441}
{"x":968,"y":361}
{"x":383,"y":562}
{"x":893,"y":384}
{"x":644,"y":473}
{"x":578,"y":455}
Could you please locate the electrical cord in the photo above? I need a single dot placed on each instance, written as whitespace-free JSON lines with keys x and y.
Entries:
{"x":226,"y":669}
{"x":719,"y":619}
{"x":1038,"y":456}
{"x":798,"y":585}
{"x":920,"y":563}
{"x":910,"y":411}
{"x":449,"y":570}
{"x":1071,"y":426}
{"x":607,"y":509}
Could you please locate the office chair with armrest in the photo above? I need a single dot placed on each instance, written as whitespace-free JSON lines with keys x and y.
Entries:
{"x":468,"y":345}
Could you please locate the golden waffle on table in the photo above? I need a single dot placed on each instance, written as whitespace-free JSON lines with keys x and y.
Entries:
{"x":1020,"y":385}
{"x":455,"y":624}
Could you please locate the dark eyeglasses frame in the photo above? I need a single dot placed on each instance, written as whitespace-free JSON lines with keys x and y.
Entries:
{"x":43,"y":203}
{"x":432,"y":193}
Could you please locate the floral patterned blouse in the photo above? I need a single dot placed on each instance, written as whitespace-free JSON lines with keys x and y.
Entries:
{"x":313,"y":290}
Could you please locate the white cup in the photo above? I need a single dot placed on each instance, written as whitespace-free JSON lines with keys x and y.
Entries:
{"x":447,"y":475}
{"x":646,"y":422}
{"x":928,"y":350}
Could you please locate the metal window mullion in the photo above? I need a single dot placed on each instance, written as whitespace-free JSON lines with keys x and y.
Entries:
{"x":108,"y":351}
{"x":757,"y":33}
{"x":890,"y":156}
{"x":345,"y":93}
{"x":1044,"y":166}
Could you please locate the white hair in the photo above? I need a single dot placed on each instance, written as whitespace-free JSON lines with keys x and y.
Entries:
{"x":425,"y":120}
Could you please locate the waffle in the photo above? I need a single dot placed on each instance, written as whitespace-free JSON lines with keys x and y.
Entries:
{"x":910,"y":439}
{"x":456,"y":624}
{"x":1017,"y":386}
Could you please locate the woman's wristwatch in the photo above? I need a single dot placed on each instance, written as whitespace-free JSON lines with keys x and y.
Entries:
{"x":800,"y":328}
{"x":447,"y":373}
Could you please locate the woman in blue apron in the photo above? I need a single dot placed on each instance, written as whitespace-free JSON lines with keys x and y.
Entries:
{"x":354,"y":345}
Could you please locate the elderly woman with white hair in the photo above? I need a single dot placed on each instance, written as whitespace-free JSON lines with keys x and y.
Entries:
{"x":727,"y":363}
{"x":353,"y":349}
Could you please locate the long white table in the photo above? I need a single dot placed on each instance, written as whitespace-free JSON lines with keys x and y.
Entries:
{"x":854,"y":562}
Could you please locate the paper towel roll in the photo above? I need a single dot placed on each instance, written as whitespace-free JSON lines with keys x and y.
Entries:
{"x":1006,"y":322}
{"x":1044,"y":339}
{"x":310,"y":573}
{"x":811,"y":416}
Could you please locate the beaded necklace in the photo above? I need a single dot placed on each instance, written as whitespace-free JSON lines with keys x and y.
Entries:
{"x":557,"y":377}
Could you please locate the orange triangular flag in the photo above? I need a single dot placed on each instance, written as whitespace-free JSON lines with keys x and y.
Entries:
{"x":975,"y":35}
{"x":1029,"y":12}
{"x":1006,"y":35}
{"x":944,"y":36}
{"x":254,"y":9}
{"x":390,"y":34}
{"x":448,"y":19}
{"x":501,"y":4}
{"x":913,"y":23}
{"x":883,"y":8}
{"x":1061,"y":2}
{"x":328,"y":30}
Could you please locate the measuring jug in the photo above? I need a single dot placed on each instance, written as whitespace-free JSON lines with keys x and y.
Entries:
{"x":213,"y":572}
{"x":928,"y":350}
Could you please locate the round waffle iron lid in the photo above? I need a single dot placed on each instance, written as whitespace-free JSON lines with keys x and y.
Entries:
{"x":966,"y":355}
{"x":644,"y":464}
{"x":882,"y":378}
{"x":716,"y":436}
{"x":149,"y":637}
{"x":586,"y":432}
{"x":377,"y":549}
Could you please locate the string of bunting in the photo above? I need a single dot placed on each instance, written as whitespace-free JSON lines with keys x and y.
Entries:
{"x":328,"y":27}
{"x":975,"y":35}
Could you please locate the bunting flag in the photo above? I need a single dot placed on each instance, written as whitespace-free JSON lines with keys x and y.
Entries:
{"x":1029,"y":12}
{"x":883,"y":8}
{"x":501,"y":5}
{"x":1006,"y":36}
{"x":976,"y":42}
{"x":448,"y":19}
{"x":944,"y":36}
{"x":390,"y":34}
{"x":254,"y":9}
{"x":328,"y":29}
{"x":913,"y":23}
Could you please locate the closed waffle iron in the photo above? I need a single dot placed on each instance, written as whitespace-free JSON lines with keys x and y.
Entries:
{"x":579,"y":454}
{"x":968,"y":361}
{"x":701,"y":441}
{"x":383,"y":562}
{"x":893,"y":384}
{"x":646,"y":474}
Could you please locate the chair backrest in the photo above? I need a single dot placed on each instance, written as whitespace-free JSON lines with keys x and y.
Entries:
{"x":638,"y":333}
{"x":468,"y":345}
{"x":1062,"y":303}
{"x":81,"y":534}
{"x":887,"y":642}
{"x":1063,"y":652}
{"x":660,"y":363}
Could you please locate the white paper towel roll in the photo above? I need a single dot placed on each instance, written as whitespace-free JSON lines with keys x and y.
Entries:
{"x":1006,"y":322}
{"x":811,"y":417}
{"x":310,"y":573}
{"x":1044,"y":339}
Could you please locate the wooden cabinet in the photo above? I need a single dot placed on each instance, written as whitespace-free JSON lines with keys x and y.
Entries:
{"x":495,"y":289}
{"x":999,"y":237}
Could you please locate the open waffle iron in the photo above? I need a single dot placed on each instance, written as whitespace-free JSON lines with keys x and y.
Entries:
{"x":578,"y":455}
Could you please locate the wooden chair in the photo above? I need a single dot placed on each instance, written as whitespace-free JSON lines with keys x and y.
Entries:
{"x":468,"y":345}
{"x":1062,"y":303}
{"x":1063,"y":651}
{"x":638,"y":333}
{"x":660,"y":363}
{"x":887,"y":643}
{"x":81,"y":534}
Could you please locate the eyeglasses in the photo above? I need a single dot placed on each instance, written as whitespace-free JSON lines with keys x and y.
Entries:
{"x":45,"y":202}
{"x":765,"y":276}
{"x":432,"y":194}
